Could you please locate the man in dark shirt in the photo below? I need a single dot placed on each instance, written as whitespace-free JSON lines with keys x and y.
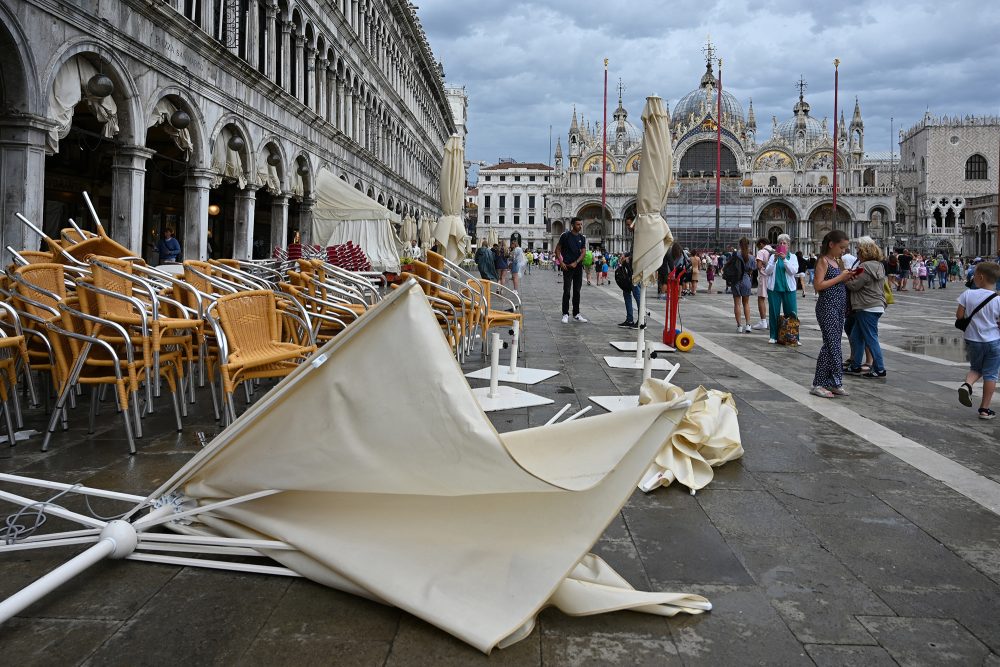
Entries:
{"x":904,"y":260}
{"x":570,"y":250}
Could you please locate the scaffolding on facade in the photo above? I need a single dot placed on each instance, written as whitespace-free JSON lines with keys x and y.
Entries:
{"x":690,"y":212}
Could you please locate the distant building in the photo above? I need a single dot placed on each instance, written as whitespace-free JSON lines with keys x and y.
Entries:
{"x":944,"y":163}
{"x":512,"y":198}
{"x":980,"y":237}
{"x":783,"y":185}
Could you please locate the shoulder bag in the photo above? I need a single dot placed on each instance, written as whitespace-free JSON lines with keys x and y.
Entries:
{"x":963,"y":322}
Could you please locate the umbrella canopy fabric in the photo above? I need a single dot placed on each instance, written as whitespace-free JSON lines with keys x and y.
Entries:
{"x":708,"y":437}
{"x":430,"y":510}
{"x":492,"y":238}
{"x":427,"y":232}
{"x":652,"y":235}
{"x":343,"y":214}
{"x":450,"y":229}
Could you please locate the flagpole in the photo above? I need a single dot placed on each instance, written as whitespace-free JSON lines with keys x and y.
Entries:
{"x":836,"y":135}
{"x":604,"y":156}
{"x":718,"y":161}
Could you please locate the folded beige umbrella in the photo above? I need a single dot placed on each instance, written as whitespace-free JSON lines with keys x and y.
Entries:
{"x":450,"y":229}
{"x":707,"y":437}
{"x":412,"y":500}
{"x":492,"y":238}
{"x":427,"y":232}
{"x":651,"y":233}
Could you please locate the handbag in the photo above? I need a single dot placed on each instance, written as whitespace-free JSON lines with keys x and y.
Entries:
{"x":788,"y":330}
{"x":963,"y":322}
{"x":887,"y":293}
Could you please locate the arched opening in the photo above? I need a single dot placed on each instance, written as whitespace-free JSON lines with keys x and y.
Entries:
{"x":773,"y":233}
{"x":599,"y":182}
{"x":595,"y":223}
{"x":168,"y":134}
{"x":822,"y":217}
{"x":298,"y":218}
{"x":230,"y":156}
{"x":868,"y":180}
{"x":976,"y":168}
{"x":779,"y":216}
{"x":949,"y":221}
{"x":772,"y":181}
{"x":700,"y":160}
{"x":90,"y":107}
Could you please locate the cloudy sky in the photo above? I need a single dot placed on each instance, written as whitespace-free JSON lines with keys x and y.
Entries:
{"x":526,"y":63}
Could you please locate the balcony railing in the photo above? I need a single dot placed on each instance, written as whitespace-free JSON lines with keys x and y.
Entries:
{"x":946,"y":231}
{"x":816,"y":190}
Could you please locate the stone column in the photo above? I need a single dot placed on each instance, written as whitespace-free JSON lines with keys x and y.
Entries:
{"x":286,"y":55}
{"x":300,"y":47}
{"x":306,"y":221}
{"x":279,"y":221}
{"x":22,"y":180}
{"x":196,"y":193}
{"x":321,"y":76}
{"x":271,"y":13}
{"x":363,"y":124}
{"x":331,"y":96}
{"x":128,"y":189}
{"x":349,"y":113}
{"x":251,"y":37}
{"x":308,"y":95}
{"x":243,"y":222}
{"x":339,"y":104}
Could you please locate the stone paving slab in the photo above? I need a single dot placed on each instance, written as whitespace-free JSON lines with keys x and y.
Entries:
{"x":817,"y":547}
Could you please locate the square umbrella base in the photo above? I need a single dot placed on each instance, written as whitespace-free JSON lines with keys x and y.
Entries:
{"x":508,"y":398}
{"x":520,"y":375}
{"x":616,"y":403}
{"x":629,"y":346}
{"x":632,"y":362}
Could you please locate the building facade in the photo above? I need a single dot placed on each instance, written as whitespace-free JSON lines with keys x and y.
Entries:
{"x":945,"y":163}
{"x":212,"y":117}
{"x":458,"y":101}
{"x":781,"y":185}
{"x":512,"y":199}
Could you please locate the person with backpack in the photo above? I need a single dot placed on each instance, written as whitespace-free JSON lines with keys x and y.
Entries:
{"x":588,"y":265}
{"x":736,"y":273}
{"x":942,"y":272}
{"x":623,"y":278}
{"x":982,"y":335}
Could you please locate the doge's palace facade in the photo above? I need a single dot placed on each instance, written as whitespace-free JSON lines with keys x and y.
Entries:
{"x":212,"y":117}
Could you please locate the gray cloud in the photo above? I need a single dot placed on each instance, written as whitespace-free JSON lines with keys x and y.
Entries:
{"x":526,"y":63}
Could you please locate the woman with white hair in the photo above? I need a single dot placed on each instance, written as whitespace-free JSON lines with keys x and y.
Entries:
{"x":868,"y":303}
{"x":780,"y":273}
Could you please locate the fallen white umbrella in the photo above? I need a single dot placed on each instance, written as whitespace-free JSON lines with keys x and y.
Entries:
{"x":512,"y":372}
{"x":430,"y":510}
{"x":615,"y":403}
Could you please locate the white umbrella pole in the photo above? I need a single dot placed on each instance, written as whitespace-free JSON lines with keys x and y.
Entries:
{"x":515,"y":346}
{"x":647,"y":362}
{"x":641,"y":342}
{"x":494,"y":364}
{"x":118,"y":539}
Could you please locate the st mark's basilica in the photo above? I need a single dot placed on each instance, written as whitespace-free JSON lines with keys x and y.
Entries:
{"x":781,"y":184}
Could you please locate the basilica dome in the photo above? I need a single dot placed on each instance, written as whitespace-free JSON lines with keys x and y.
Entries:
{"x":787,"y":130}
{"x":706,"y":94}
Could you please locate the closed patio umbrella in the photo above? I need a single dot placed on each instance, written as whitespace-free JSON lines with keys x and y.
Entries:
{"x":450,"y":229}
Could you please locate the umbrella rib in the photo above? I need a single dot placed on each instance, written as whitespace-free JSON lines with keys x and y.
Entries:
{"x":145,"y":523}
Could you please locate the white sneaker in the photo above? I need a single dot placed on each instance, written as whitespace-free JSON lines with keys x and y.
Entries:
{"x":739,"y":328}
{"x":565,"y":319}
{"x":579,"y":318}
{"x":771,"y":341}
{"x":760,"y":325}
{"x":746,"y":329}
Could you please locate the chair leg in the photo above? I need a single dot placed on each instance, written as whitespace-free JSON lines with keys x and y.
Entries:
{"x":215,"y":400}
{"x":230,"y":409}
{"x":11,"y":432}
{"x":123,"y":409}
{"x":178,"y":399}
{"x":30,"y":381}
{"x":156,"y":367}
{"x":136,"y":413}
{"x":57,"y":412}
{"x":18,"y":418}
{"x":95,"y":398}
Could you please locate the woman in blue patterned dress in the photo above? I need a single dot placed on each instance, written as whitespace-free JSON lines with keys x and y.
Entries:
{"x":831,"y":308}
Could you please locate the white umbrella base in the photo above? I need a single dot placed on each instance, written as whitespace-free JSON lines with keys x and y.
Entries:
{"x":519,"y":376}
{"x":507,"y":398}
{"x":630,"y":346}
{"x":637,"y":364}
{"x":616,"y":403}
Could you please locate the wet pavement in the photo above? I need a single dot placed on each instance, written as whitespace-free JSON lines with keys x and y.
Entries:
{"x":856,"y":531}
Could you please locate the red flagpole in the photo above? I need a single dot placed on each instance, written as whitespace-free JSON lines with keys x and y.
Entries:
{"x":836,"y":135}
{"x":718,"y":160}
{"x":604,"y":156}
